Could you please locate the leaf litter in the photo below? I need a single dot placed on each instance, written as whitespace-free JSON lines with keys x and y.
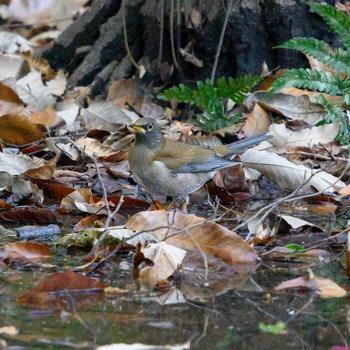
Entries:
{"x":51,"y":144}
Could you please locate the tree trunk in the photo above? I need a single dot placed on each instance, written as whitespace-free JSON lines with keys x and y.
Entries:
{"x":93,"y":47}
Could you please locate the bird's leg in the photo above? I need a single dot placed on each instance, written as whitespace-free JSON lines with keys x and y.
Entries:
{"x":172,"y":205}
{"x":184,"y":204}
{"x":140,"y":193}
{"x":180,"y":202}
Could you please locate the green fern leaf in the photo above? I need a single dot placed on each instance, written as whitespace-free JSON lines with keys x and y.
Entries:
{"x":239,"y":88}
{"x":314,"y":80}
{"x":337,"y":20}
{"x":321,"y":51}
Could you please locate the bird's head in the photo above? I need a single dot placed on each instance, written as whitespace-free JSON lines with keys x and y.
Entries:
{"x":147,"y":132}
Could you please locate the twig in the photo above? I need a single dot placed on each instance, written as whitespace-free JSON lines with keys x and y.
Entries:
{"x":173,"y":53}
{"x":289,"y":198}
{"x":313,"y":155}
{"x":126,"y":39}
{"x":218,"y":51}
{"x":161,"y":34}
{"x":204,"y":257}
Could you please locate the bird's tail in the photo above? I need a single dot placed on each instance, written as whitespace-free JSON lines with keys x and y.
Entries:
{"x":235,"y":147}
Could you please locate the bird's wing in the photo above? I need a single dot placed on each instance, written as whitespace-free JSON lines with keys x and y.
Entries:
{"x":183,"y":158}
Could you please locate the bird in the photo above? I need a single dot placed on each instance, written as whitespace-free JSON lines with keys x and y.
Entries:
{"x":174,"y":168}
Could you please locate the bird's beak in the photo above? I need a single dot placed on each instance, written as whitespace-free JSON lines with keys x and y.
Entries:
{"x":136,"y":128}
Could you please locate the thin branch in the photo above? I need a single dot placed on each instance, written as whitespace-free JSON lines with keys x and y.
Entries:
{"x":126,"y":39}
{"x":221,"y":40}
{"x":161,"y":34}
{"x":173,"y":53}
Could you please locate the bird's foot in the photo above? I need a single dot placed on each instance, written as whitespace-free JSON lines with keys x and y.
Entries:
{"x":180,"y":203}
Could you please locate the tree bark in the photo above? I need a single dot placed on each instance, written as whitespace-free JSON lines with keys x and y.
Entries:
{"x":93,"y":47}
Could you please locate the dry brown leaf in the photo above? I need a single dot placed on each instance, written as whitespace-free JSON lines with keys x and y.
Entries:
{"x":294,"y":107}
{"x":47,"y":117}
{"x":345,"y":191}
{"x":45,"y":172}
{"x":41,"y":65}
{"x":257,"y":123}
{"x":82,"y":200}
{"x":18,"y":130}
{"x":126,"y":91}
{"x":95,"y":148}
{"x":186,"y":231}
{"x":7,"y":94}
{"x":315,"y":64}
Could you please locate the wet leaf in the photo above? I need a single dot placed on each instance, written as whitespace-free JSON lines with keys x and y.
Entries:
{"x":34,"y":251}
{"x":325,"y":287}
{"x":165,"y":258}
{"x":37,"y":216}
{"x":59,"y":290}
{"x":189,"y":231}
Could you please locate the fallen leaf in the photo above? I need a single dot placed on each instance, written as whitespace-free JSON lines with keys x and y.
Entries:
{"x":63,"y":290}
{"x":325,"y":287}
{"x":287,"y":175}
{"x":307,"y":137}
{"x":190,"y":231}
{"x":9,"y":330}
{"x":294,"y":107}
{"x":37,"y":216}
{"x":18,"y":130}
{"x":30,"y":250}
{"x":258,"y":122}
{"x":165,"y":258}
{"x":41,"y":65}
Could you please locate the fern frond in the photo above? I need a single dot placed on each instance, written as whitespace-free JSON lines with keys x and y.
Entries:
{"x":182,"y":93}
{"x":237,"y":89}
{"x":337,"y":20}
{"x":314,"y":80}
{"x":321,"y":51}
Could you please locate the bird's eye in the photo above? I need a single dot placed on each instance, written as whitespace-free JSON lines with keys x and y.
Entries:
{"x":149,"y":127}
